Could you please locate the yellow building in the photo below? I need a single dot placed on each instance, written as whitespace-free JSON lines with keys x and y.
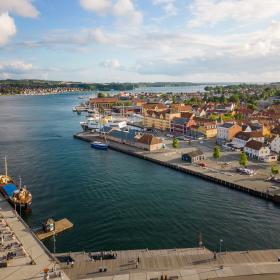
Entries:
{"x":159,"y":120}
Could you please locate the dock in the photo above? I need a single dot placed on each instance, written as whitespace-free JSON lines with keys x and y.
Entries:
{"x":179,"y":263}
{"x":60,"y":226}
{"x":23,"y":255}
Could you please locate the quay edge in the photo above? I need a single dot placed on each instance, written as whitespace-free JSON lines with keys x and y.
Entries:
{"x":125,"y":149}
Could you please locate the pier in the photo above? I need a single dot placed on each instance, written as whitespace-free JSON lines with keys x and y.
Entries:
{"x":172,"y":159}
{"x":60,"y":226}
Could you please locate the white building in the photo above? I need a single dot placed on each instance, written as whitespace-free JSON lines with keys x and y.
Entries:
{"x":227,"y":131}
{"x":256,"y":149}
{"x":275,"y":144}
{"x":241,"y":138}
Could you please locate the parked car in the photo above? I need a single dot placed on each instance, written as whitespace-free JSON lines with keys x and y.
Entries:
{"x":202,"y":164}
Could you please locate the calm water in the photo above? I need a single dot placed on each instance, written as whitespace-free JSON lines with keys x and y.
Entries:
{"x":117,"y":201}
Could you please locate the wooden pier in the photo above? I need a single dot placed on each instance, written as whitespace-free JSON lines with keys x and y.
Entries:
{"x":170,"y":264}
{"x":60,"y":226}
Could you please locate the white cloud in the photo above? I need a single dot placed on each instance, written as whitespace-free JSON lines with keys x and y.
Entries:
{"x":168,"y":6}
{"x":125,"y":8}
{"x":15,"y":67}
{"x":7,"y":28}
{"x":98,"y":6}
{"x":111,"y":64}
{"x":20,"y":7}
{"x":214,"y":11}
{"x":121,"y":9}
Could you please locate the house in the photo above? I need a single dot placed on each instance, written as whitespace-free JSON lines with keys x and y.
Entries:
{"x":275,"y":144}
{"x":138,"y":102}
{"x":179,"y":108}
{"x":241,"y":138}
{"x":149,"y":142}
{"x":180,"y":126}
{"x":246,"y":128}
{"x":204,"y":126}
{"x":199,"y":112}
{"x":159,"y":120}
{"x":227,"y":131}
{"x":105,"y":103}
{"x":157,"y":107}
{"x":256,"y":149}
{"x":194,"y":156}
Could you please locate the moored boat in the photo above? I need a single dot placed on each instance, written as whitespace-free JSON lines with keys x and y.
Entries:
{"x":99,"y":145}
{"x":17,"y":196}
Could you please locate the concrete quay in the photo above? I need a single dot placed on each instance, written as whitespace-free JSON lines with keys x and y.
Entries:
{"x":31,"y":257}
{"x":171,"y":158}
{"x":170,"y":264}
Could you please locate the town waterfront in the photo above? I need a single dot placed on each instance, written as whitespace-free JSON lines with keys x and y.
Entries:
{"x":116,"y":201}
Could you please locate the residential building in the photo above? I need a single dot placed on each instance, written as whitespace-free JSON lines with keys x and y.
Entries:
{"x":179,"y":108}
{"x":180,"y":126}
{"x":204,"y":126}
{"x":241,"y":138}
{"x":227,"y":131}
{"x":275,"y":144}
{"x":159,"y":120}
{"x":256,"y":149}
{"x":157,"y":107}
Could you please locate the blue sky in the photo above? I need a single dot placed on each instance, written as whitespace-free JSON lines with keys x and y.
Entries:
{"x":147,"y":40}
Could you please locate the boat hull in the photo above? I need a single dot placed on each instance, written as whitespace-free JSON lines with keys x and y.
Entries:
{"x":99,"y":146}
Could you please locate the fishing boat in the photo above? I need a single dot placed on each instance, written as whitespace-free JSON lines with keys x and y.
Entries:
{"x":17,"y":196}
{"x":99,"y":145}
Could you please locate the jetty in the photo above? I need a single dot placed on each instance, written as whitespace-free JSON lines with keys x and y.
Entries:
{"x":256,"y":186}
{"x":60,"y":226}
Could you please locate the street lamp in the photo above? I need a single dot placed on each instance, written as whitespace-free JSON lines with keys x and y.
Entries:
{"x":221,"y":241}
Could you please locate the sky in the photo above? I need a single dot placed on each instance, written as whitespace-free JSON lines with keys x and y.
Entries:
{"x":140,"y":40}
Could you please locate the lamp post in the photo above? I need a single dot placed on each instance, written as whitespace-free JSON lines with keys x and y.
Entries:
{"x":221,"y":242}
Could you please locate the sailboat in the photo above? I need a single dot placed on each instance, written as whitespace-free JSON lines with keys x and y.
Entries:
{"x":18,"y":196}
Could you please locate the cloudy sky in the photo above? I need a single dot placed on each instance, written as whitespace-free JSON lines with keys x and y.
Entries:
{"x":141,"y":40}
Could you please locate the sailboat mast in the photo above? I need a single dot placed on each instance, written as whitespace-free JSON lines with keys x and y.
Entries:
{"x":6,"y":167}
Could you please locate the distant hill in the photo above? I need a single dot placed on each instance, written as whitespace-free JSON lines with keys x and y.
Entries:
{"x":18,"y":84}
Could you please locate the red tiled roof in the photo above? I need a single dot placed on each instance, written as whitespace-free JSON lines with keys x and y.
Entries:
{"x":255,"y":145}
{"x":104,"y":100}
{"x":149,"y":139}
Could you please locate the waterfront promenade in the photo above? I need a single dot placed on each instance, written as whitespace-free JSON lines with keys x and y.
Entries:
{"x":183,"y":264}
{"x":227,"y":176}
{"x":31,"y":256}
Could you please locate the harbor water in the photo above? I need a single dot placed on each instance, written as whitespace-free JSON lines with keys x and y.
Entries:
{"x":114,"y":200}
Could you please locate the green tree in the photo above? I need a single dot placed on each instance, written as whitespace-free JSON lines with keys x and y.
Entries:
{"x":101,"y":95}
{"x":217,"y":152}
{"x":175,"y":143}
{"x":274,"y":169}
{"x":243,"y":159}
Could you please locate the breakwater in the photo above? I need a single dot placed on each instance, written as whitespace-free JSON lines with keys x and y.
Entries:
{"x":191,"y":170}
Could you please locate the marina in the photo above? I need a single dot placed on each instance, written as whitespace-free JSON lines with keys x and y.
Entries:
{"x":126,"y":211}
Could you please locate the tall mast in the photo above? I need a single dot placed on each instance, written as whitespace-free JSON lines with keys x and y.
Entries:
{"x":6,"y":166}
